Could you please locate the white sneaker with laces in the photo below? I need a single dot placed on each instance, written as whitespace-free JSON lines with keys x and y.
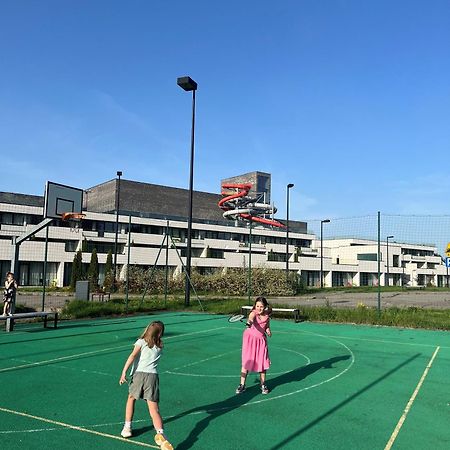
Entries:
{"x":126,"y":432}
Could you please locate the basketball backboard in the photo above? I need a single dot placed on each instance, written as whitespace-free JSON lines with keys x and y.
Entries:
{"x":61,"y":199}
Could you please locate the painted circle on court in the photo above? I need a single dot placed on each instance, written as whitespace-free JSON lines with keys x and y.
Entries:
{"x":177,"y":370}
{"x":184,"y":370}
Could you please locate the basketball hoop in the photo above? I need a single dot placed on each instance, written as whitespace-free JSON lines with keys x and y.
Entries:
{"x":74,"y":220}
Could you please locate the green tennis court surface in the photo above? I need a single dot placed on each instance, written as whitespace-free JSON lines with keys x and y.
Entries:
{"x":333,"y":387}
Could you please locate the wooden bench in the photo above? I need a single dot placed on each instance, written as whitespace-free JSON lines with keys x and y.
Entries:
{"x":294,"y":311}
{"x":30,"y":315}
{"x":101,"y":296}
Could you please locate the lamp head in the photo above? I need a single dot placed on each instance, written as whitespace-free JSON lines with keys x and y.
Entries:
{"x":187,"y":83}
{"x":119,"y":173}
{"x":290,"y":185}
{"x":326,"y":221}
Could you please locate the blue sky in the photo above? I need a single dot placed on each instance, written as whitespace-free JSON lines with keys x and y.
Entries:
{"x":348,"y":100}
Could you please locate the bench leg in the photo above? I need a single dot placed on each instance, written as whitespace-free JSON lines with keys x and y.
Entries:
{"x":45,"y":321}
{"x":56,"y":320}
{"x":9,"y":325}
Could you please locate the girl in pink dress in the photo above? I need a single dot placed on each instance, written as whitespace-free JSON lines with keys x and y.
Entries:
{"x":255,"y":355}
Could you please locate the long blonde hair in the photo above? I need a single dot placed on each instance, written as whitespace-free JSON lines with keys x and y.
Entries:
{"x":153,"y":334}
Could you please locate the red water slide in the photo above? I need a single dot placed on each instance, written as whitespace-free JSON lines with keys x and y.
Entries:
{"x":243,"y":206}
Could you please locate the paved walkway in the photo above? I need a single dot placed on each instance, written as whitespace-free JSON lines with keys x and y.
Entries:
{"x":422,"y":299}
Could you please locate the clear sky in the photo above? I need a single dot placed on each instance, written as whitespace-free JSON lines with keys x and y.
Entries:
{"x":347,"y":99}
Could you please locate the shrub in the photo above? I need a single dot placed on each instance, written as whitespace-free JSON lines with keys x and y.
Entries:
{"x":77,"y":269}
{"x":232,"y":282}
{"x":93,"y":271}
{"x":108,"y":282}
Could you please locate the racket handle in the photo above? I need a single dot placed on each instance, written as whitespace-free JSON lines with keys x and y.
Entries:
{"x":248,"y":324}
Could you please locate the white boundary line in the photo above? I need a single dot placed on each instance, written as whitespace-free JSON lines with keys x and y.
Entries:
{"x":97,"y":425}
{"x":411,"y":401}
{"x":173,"y":371}
{"x":270,"y":398}
{"x":62,"y":358}
{"x":414,"y":344}
{"x":195,"y":412}
{"x":77,"y":428}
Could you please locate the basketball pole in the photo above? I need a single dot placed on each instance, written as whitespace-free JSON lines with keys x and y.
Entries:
{"x":44,"y":275}
{"x":128,"y":264}
{"x":166,"y":279}
{"x":16,"y":241}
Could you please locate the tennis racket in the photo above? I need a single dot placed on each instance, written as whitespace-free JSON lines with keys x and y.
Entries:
{"x":237,"y":318}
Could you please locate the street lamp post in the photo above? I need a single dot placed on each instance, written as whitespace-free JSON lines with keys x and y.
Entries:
{"x":119,"y":174}
{"x":321,"y":250}
{"x":387,"y":259}
{"x":188,"y":84}
{"x":289,"y":186}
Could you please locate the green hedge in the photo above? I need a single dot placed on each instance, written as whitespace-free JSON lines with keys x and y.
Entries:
{"x":269,"y":282}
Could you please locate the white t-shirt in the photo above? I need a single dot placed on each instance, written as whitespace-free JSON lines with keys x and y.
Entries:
{"x":148,"y":358}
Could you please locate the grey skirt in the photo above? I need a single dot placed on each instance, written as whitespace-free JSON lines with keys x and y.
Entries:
{"x":145,"y":386}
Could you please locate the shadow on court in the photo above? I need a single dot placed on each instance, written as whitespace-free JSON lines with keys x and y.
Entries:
{"x":217,"y":409}
{"x":314,"y":422}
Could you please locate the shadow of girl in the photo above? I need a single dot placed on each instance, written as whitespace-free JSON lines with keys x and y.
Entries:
{"x":217,"y":409}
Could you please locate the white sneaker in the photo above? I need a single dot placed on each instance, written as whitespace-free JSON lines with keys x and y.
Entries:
{"x":126,"y":432}
{"x":161,"y":440}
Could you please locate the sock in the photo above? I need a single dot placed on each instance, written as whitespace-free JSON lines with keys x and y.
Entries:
{"x":128,"y":424}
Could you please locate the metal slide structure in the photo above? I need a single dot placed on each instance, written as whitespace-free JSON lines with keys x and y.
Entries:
{"x":238,"y":205}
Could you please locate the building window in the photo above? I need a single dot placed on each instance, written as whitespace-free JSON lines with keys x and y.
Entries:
{"x":276,"y":257}
{"x":342,"y":279}
{"x":7,"y":218}
{"x":215,"y":253}
{"x":368,"y":279}
{"x":367,"y":257}
{"x":311,"y":278}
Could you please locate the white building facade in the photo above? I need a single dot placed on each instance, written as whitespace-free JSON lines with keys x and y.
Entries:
{"x":215,"y":246}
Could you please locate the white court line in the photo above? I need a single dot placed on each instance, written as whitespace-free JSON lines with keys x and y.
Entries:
{"x":271,"y":398}
{"x":172,"y":371}
{"x":76,"y":428}
{"x":95,"y":372}
{"x":62,"y":358}
{"x":362,"y":339}
{"x":97,"y":425}
{"x":411,"y":401}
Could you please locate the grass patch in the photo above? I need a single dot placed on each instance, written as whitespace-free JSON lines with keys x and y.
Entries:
{"x":368,"y":289}
{"x":410,"y":317}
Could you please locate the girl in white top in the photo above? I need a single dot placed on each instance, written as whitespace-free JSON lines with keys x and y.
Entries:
{"x":144,"y":382}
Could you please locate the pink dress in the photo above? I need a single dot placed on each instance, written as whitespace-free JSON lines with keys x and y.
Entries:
{"x":255,"y":355}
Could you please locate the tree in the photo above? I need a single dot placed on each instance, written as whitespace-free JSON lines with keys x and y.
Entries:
{"x":109,"y":276}
{"x":77,"y":269}
{"x":93,"y":271}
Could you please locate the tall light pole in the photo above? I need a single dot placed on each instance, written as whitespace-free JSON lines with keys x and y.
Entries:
{"x":289,"y":186}
{"x":188,"y":84}
{"x":387,"y":259}
{"x":119,"y":174}
{"x":321,"y":250}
